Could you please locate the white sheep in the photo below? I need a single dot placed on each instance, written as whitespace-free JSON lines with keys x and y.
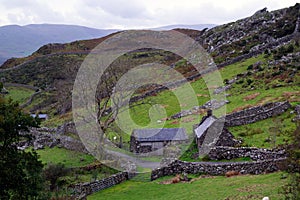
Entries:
{"x":266,"y":198}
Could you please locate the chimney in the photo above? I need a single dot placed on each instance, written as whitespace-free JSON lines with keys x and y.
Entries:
{"x":209,"y":113}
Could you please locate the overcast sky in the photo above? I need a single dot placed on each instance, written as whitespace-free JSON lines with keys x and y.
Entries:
{"x":125,"y":14}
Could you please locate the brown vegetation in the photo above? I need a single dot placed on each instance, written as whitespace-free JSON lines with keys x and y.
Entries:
{"x":251,"y":96}
{"x":232,"y":173}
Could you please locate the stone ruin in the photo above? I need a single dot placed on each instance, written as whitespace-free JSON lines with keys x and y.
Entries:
{"x":51,"y":137}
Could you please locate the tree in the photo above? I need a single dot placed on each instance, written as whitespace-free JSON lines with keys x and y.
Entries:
{"x":20,"y":171}
{"x":113,"y":96}
{"x":275,"y":130}
{"x":291,"y":191}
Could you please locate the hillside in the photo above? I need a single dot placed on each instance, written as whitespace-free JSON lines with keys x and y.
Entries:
{"x":20,"y":41}
{"x":55,"y":65}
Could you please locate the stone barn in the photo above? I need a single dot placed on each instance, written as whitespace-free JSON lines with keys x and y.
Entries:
{"x":210,"y":126}
{"x":148,"y":140}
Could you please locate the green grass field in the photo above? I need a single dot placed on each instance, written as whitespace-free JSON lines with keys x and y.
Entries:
{"x":262,"y":134}
{"x":68,"y":158}
{"x":19,"y":94}
{"x":219,"y":187}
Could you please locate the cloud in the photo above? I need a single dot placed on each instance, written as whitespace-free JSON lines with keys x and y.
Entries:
{"x":131,"y":13}
{"x":129,"y":9}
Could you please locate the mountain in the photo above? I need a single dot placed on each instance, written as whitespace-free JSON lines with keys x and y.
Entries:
{"x":20,"y":41}
{"x":53,"y":67}
{"x":184,"y":26}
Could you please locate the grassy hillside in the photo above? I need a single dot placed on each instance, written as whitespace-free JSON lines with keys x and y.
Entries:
{"x":241,"y":95}
{"x":68,"y":158}
{"x":19,"y":94}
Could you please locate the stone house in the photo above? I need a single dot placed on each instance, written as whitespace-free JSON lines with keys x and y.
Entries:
{"x":210,"y":126}
{"x":149,"y":140}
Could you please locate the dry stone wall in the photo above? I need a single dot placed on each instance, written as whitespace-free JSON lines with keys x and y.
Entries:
{"x":256,"y":154}
{"x":84,"y":189}
{"x":219,"y":168}
{"x":256,"y":113}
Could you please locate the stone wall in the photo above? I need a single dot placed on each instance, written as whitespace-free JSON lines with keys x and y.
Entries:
{"x":256,"y":154}
{"x":256,"y":113}
{"x":84,"y":189}
{"x":21,"y":85}
{"x":297,"y":110}
{"x":219,"y":168}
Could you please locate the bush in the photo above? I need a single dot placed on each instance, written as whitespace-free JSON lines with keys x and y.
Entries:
{"x":260,"y":69}
{"x":249,"y":81}
{"x":250,"y":67}
{"x":206,"y":158}
{"x":226,"y":81}
{"x":241,"y":81}
{"x":53,"y":172}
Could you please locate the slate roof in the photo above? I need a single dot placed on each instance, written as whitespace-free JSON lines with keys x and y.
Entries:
{"x":157,"y":135}
{"x":40,"y":116}
{"x":200,"y":130}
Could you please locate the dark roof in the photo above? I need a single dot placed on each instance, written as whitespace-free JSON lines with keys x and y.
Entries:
{"x":40,"y":116}
{"x":163,"y":134}
{"x":204,"y":125}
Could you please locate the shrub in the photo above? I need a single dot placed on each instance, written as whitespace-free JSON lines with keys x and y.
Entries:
{"x":241,"y":81}
{"x":53,"y":172}
{"x":250,"y":67}
{"x":226,"y":81}
{"x":249,"y":81}
{"x":205,"y":158}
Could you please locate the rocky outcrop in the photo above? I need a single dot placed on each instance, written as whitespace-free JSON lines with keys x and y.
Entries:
{"x":297,"y":110}
{"x":68,"y":127}
{"x":51,"y":137}
{"x":71,"y":144}
{"x":262,"y":30}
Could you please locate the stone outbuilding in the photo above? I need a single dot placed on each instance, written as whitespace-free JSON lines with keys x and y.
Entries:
{"x":211,"y":126}
{"x":149,"y":140}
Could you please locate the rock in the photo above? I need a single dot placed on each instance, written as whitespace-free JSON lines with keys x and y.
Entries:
{"x":222,"y":89}
{"x":215,"y":104}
